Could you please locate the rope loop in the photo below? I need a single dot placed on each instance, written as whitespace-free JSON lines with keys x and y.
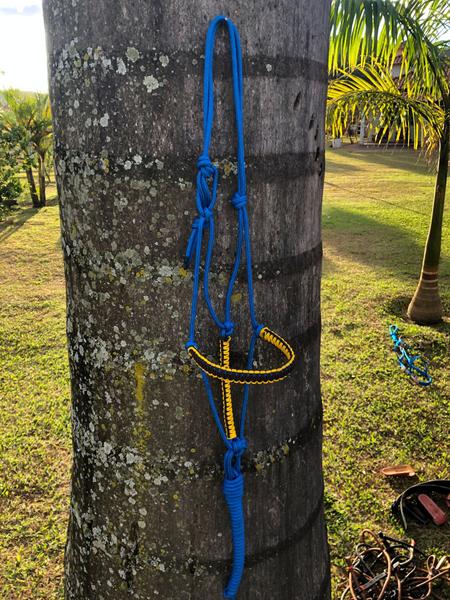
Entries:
{"x":239,"y":201}
{"x":207,"y":180}
{"x":206,"y":190}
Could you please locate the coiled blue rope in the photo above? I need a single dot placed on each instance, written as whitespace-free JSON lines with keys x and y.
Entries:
{"x":414,"y":365}
{"x":203,"y":226}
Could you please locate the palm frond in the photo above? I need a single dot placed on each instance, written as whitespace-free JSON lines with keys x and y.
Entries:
{"x":387,"y":104}
{"x":386,"y":30}
{"x":29,"y":117}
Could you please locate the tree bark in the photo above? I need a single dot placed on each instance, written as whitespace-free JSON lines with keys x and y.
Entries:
{"x":32,"y":187}
{"x":147,"y":516}
{"x":41,"y":174}
{"x":426,"y":306}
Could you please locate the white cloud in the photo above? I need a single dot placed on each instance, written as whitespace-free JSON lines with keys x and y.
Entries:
{"x":23,"y":58}
{"x":20,"y":6}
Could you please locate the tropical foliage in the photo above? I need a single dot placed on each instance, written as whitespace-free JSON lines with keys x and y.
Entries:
{"x":10,"y":187}
{"x":386,"y":102}
{"x":369,"y":38}
{"x":27,"y":119}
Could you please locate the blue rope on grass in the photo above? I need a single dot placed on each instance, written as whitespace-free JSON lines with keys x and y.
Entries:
{"x":203,"y":228}
{"x":415,"y":366}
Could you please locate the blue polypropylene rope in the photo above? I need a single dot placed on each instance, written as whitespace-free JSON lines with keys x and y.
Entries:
{"x":408,"y":362}
{"x":206,"y":193}
{"x":206,"y":196}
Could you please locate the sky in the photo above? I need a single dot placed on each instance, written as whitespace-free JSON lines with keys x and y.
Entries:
{"x":23,"y":59}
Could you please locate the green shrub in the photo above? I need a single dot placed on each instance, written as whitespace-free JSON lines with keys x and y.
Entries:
{"x":10,"y":186}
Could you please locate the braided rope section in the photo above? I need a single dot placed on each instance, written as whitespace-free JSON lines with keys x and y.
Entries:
{"x":248,"y":376}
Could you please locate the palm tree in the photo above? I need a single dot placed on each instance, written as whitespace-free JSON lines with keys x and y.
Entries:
{"x":366,"y":37}
{"x":29,"y":117}
{"x":146,"y":516}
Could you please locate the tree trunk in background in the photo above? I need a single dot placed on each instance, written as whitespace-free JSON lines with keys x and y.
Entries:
{"x":147,"y":515}
{"x":32,"y":187}
{"x":426,"y":305}
{"x":41,"y":175}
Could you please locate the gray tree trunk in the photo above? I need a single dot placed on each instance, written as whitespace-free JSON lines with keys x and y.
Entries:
{"x":147,"y":516}
{"x":32,"y":187}
{"x":41,"y":179}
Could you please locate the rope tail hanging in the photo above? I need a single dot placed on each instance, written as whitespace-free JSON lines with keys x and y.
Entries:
{"x":231,"y":433}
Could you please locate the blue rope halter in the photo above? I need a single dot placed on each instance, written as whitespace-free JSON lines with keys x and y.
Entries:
{"x":202,"y":227}
{"x":414,"y":365}
{"x":206,"y":195}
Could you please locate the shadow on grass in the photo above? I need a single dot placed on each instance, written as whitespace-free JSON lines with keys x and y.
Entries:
{"x":369,"y":241}
{"x":18,"y":218}
{"x":332,"y":166}
{"x":398,"y":305}
{"x":357,"y":194}
{"x":403,"y":159}
{"x":15,"y":222}
{"x":432,"y":539}
{"x":329,"y":266}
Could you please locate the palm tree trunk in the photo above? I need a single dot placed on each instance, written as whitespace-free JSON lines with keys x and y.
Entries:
{"x":426,"y":306}
{"x":147,"y":516}
{"x":48,"y":175}
{"x":42,"y":183}
{"x":32,"y":187}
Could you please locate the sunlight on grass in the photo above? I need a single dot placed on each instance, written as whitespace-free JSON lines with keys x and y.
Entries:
{"x":34,"y":403}
{"x":375,"y":220}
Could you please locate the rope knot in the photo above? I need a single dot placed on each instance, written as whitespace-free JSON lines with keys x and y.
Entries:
{"x":232,"y":460}
{"x":239,"y":201}
{"x":206,"y":213}
{"x":197,"y":223}
{"x":204,"y":164}
{"x":238,"y":446}
{"x":227,"y":329}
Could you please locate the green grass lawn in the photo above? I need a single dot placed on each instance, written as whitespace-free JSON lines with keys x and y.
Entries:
{"x":34,"y":405}
{"x":375,"y":219}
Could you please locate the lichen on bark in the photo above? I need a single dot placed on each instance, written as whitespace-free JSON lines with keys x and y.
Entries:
{"x":147,"y":518}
